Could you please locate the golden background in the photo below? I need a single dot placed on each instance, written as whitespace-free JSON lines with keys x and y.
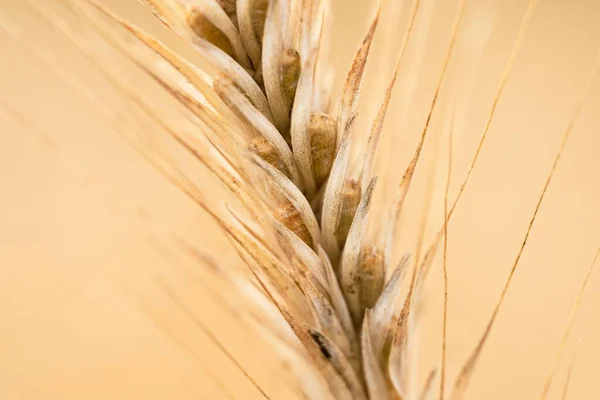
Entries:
{"x":83,"y":220}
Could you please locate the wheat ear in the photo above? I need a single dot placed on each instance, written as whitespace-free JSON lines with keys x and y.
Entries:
{"x":282,"y":147}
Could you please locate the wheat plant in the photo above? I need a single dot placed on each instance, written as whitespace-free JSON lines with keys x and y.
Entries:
{"x":332,"y":292}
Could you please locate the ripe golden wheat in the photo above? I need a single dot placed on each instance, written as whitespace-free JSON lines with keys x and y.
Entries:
{"x":288,"y":150}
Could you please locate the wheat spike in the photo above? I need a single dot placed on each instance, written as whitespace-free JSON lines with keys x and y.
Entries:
{"x":330,"y":298}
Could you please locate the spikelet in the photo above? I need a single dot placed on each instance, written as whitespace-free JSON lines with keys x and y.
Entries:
{"x":284,"y":153}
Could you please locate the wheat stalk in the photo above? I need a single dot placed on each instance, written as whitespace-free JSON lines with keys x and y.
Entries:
{"x":281,"y":142}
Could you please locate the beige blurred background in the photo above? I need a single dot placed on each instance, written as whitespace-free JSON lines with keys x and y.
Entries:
{"x":88,"y":253}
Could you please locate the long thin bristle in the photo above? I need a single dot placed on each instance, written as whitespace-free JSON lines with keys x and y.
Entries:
{"x":565,"y":390}
{"x":445,"y":261}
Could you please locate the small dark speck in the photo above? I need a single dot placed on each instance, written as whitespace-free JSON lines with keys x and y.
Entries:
{"x":318,"y":338}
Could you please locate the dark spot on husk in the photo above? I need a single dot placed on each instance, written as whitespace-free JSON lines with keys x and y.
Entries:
{"x":320,"y":341}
